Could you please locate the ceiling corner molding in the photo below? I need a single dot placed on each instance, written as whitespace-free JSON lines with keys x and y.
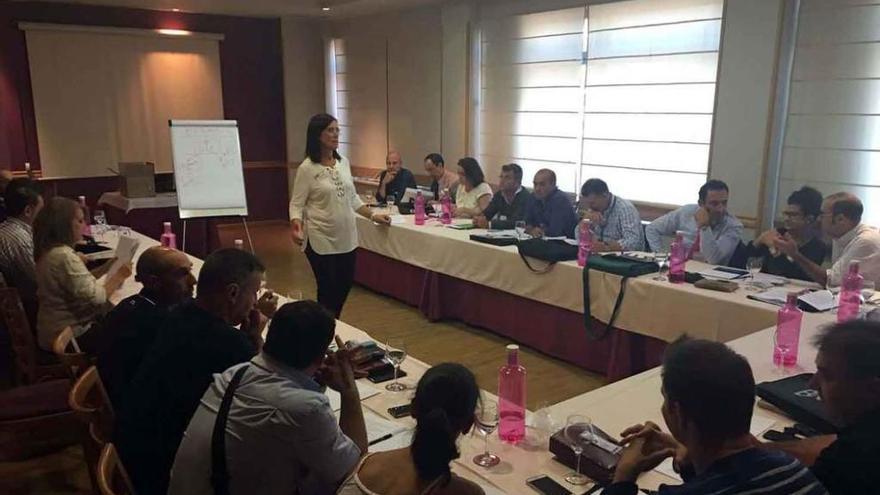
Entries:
{"x":155,"y":33}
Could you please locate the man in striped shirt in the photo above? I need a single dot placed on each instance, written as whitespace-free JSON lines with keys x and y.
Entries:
{"x":709,"y":395}
{"x":23,"y":202}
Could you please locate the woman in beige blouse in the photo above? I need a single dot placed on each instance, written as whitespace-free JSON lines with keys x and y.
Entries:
{"x":444,"y":405}
{"x":473,"y":194}
{"x":68,"y":294}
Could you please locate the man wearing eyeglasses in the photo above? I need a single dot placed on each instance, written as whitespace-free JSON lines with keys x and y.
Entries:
{"x":840,"y":218}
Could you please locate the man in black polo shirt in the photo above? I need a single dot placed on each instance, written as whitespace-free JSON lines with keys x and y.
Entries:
{"x":395,"y":179}
{"x":848,"y":380}
{"x":508,"y":205}
{"x":197,"y":340}
{"x":130,"y":329}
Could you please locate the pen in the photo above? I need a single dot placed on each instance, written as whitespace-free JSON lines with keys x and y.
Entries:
{"x":380,"y":439}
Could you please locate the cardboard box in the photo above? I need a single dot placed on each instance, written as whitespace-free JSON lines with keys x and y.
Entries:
{"x":137,"y":179}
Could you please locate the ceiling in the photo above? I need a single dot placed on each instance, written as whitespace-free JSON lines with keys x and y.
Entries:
{"x":265,"y":8}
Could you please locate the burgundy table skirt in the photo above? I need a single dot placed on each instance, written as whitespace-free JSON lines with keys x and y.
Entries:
{"x":554,"y":331}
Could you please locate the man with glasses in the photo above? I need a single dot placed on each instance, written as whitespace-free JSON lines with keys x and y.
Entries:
{"x":840,"y":218}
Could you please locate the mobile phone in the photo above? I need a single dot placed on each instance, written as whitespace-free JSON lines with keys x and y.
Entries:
{"x":545,"y":485}
{"x":399,"y":411}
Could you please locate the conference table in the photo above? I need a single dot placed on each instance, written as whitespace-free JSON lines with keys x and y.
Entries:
{"x":448,"y":276}
{"x":612,"y":408}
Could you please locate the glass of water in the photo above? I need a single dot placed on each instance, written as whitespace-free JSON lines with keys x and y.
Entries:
{"x":395,"y":349}
{"x":101,"y":222}
{"x":520,"y":227}
{"x":754,"y":265}
{"x":662,"y":260}
{"x":486,"y":420}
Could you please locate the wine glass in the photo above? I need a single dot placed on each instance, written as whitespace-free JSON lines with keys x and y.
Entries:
{"x":395,"y":349}
{"x":781,"y":349}
{"x":754,"y":265}
{"x":578,"y":433}
{"x":662,"y":260}
{"x":486,"y":420}
{"x":520,"y":227}
{"x":101,"y":222}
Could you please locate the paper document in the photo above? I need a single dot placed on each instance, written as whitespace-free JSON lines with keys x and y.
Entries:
{"x":125,"y":251}
{"x":723,"y":273}
{"x":379,"y":429}
{"x":822,"y":300}
{"x":364,"y":389}
{"x":501,"y":234}
{"x":398,"y":219}
{"x":776,"y":296}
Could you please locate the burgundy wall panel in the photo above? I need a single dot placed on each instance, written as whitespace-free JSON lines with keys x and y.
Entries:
{"x":250,"y":60}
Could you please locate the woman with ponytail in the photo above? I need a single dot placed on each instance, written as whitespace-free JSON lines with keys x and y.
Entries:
{"x":443,"y":407}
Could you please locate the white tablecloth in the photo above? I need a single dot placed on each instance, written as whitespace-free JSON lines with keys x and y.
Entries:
{"x":117,"y":200}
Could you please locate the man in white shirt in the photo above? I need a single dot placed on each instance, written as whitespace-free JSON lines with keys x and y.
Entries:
{"x":852,"y":240}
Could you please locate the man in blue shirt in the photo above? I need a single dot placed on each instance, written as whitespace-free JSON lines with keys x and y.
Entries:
{"x":550,"y":213}
{"x":708,"y":400}
{"x":711,"y":232}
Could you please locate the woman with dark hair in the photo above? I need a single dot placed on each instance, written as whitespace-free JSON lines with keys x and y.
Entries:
{"x":443,"y":407}
{"x":473,"y":194}
{"x":69,"y":294}
{"x":322,"y":208}
{"x":800,"y":218}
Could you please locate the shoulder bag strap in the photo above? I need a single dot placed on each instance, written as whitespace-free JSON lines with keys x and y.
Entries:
{"x":588,"y":314}
{"x":546,"y":269}
{"x":219,"y":473}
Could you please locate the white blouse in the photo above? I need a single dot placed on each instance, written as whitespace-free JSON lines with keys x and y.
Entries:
{"x":470,"y":199}
{"x":324,"y":198}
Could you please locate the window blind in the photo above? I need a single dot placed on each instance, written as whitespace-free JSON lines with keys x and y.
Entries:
{"x":832,"y":133}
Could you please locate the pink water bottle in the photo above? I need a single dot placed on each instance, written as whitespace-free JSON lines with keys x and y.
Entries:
{"x":87,"y":216}
{"x":850,"y":296}
{"x":445,"y":208}
{"x":512,"y":398}
{"x":677,"y":259}
{"x":788,"y":332}
{"x":168,"y":238}
{"x":585,"y":241}
{"x":419,"y":208}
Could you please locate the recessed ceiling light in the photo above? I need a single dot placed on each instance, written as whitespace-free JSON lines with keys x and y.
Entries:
{"x":325,"y":9}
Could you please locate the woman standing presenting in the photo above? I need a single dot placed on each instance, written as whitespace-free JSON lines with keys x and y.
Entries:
{"x":322,"y":209}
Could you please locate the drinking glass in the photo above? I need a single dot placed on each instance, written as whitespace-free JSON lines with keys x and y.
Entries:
{"x":395,"y":349}
{"x":578,"y":433}
{"x":294,"y":295}
{"x":101,"y":222}
{"x":782,"y":349}
{"x":754,"y":265}
{"x":662,"y":260}
{"x":486,"y":420}
{"x":520,"y":227}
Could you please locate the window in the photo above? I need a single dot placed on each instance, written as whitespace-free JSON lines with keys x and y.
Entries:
{"x":340,"y":107}
{"x":832,"y":131}
{"x":624,"y":91}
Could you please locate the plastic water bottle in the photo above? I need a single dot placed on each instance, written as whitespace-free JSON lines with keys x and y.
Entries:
{"x":445,"y":208}
{"x":677,"y":259}
{"x":87,"y":216}
{"x":419,"y":208}
{"x":850,"y":297}
{"x":585,"y":241}
{"x":238,"y":244}
{"x":512,"y":398}
{"x":168,"y":239}
{"x":788,"y":332}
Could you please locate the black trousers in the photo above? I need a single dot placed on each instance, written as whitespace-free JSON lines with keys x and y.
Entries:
{"x":334,"y":274}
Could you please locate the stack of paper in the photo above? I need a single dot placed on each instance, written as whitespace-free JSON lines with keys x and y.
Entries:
{"x":364,"y":389}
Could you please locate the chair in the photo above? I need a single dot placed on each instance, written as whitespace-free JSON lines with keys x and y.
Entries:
{"x":89,"y":402}
{"x":65,"y":347}
{"x":112,"y":477}
{"x":35,"y":420}
{"x":31,"y":364}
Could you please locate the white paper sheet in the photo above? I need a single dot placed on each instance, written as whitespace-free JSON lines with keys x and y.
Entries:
{"x":364,"y":389}
{"x":125,"y":251}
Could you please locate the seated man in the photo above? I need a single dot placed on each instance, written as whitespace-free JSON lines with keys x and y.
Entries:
{"x":708,"y":399}
{"x":443,"y":179}
{"x":23,"y":202}
{"x":711,"y":232}
{"x":130,"y":329}
{"x":616,"y":222}
{"x":280,"y":417}
{"x":197,"y":340}
{"x":395,"y":179}
{"x":549,"y":213}
{"x":840,"y":217}
{"x":508,"y":205}
{"x":848,"y":380}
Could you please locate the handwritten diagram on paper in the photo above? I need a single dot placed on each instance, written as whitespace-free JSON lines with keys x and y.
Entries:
{"x":207,"y":168}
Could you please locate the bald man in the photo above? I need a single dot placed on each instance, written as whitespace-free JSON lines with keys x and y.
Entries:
{"x":851,"y":240}
{"x":395,"y":179}
{"x":550,"y":213}
{"x":130,"y":328}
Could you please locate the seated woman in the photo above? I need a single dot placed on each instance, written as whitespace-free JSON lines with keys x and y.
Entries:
{"x":68,"y":294}
{"x":444,"y":405}
{"x":800,"y":224}
{"x":473,"y":194}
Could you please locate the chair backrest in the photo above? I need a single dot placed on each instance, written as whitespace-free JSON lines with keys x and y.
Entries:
{"x":88,"y":400}
{"x":112,"y":477}
{"x":24,"y":348}
{"x":65,"y":347}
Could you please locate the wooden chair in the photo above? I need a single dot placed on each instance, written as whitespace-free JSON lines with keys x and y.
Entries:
{"x":30,"y":364}
{"x":65,"y":347}
{"x":112,"y":477}
{"x":89,"y":401}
